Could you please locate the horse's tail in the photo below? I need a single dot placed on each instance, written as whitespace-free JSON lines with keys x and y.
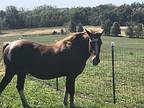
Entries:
{"x":5,"y":44}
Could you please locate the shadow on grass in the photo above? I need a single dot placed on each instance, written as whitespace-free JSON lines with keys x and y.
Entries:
{"x":65,"y":107}
{"x":3,"y":33}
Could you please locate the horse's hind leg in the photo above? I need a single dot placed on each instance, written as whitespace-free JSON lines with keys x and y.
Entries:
{"x":70,"y":88}
{"x":6,"y":79}
{"x":20,"y":87}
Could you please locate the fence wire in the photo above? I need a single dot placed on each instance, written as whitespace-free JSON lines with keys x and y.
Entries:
{"x":129,"y":74}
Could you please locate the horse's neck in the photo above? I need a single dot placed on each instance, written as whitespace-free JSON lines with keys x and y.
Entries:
{"x":82,"y":53}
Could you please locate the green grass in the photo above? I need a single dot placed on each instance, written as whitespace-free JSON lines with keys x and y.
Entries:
{"x":94,"y":85}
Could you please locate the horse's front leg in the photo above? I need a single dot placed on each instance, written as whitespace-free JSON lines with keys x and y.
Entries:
{"x":66,"y":99}
{"x":20,"y":88}
{"x":70,"y":88}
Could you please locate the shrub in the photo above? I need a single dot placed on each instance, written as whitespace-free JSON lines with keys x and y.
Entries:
{"x":62,"y":31}
{"x":139,"y":30}
{"x":54,"y":33}
{"x":129,"y":31}
{"x":115,"y":29}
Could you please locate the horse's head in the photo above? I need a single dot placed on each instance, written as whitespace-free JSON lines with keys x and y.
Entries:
{"x":95,"y":44}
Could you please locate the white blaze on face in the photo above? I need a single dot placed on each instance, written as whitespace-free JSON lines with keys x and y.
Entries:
{"x":93,"y":57}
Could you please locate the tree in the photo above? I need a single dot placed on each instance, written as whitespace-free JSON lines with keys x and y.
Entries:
{"x":1,"y":24}
{"x":139,"y":30}
{"x":107,"y":26}
{"x":72,"y":27}
{"x":79,"y":28}
{"x":115,"y":29}
{"x":124,"y":13}
{"x":48,"y":16}
{"x":12,"y":17}
{"x":129,"y":31}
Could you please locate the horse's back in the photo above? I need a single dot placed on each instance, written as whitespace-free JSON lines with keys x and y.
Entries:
{"x":32,"y":56}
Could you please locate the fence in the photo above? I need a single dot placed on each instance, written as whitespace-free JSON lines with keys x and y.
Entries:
{"x":96,"y":83}
{"x":129,"y":73}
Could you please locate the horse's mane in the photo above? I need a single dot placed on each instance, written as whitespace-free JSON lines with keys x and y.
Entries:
{"x":67,"y":42}
{"x":71,"y":37}
{"x":74,"y":35}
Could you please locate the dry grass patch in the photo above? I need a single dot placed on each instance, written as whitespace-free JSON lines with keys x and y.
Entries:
{"x":30,"y":31}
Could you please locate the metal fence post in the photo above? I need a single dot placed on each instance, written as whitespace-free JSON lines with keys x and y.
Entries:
{"x":113,"y":73}
{"x":57,"y":84}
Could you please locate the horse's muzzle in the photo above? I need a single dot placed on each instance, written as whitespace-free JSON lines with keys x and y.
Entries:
{"x":95,"y":61}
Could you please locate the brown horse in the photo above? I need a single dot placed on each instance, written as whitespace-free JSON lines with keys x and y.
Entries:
{"x":66,"y":57}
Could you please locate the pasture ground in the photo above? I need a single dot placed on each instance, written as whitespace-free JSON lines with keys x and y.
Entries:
{"x":94,"y":85}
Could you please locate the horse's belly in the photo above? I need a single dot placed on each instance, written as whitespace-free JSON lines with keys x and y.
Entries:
{"x":49,"y":74}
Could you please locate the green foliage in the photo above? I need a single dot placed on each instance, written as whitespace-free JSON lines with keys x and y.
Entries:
{"x":115,"y":29}
{"x":135,"y":31}
{"x":139,"y":30}
{"x":79,"y":28}
{"x":48,"y":16}
{"x":13,"y":19}
{"x":124,"y":14}
{"x":72,"y":27}
{"x":2,"y":20}
{"x":107,"y":26}
{"x":129,"y":31}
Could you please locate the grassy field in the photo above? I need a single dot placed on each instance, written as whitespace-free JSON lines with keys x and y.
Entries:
{"x":94,"y":85}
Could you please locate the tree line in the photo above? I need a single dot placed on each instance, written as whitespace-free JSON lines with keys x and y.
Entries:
{"x":48,"y":16}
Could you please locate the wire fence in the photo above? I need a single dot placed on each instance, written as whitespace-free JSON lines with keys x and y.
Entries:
{"x":129,"y":73}
{"x":130,"y":76}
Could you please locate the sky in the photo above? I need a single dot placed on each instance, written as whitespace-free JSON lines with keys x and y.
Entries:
{"x":30,"y":4}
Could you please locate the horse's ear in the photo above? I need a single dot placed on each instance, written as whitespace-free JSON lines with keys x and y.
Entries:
{"x":102,"y":32}
{"x":89,"y":33}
